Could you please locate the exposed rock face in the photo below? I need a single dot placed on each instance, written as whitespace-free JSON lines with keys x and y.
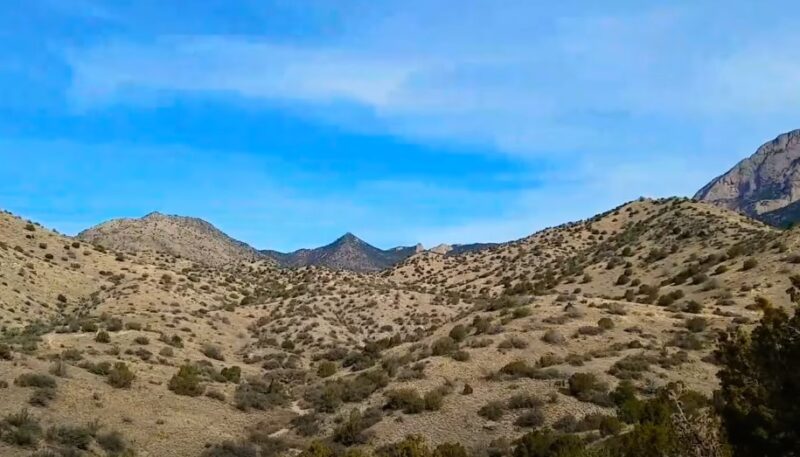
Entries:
{"x":442,"y":249}
{"x":458,"y":249}
{"x":187,"y":237}
{"x":765,"y":186}
{"x":346,"y":253}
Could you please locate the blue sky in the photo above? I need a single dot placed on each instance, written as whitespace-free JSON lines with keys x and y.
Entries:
{"x":287,"y":123}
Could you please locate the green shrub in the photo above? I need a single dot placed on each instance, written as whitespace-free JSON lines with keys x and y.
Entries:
{"x":260,"y":395}
{"x":548,"y":444}
{"x":517,"y":369}
{"x":443,"y":346}
{"x":433,"y":400}
{"x":326,"y":369}
{"x":458,"y":333}
{"x":102,"y":337}
{"x":524,"y":401}
{"x":317,"y":449}
{"x":693,"y":307}
{"x":186,"y":381}
{"x":232,"y":374}
{"x":59,"y":368}
{"x":232,"y":449}
{"x":513,"y":342}
{"x":609,"y":425}
{"x":411,"y":446}
{"x":450,"y":450}
{"x":71,"y":436}
{"x":35,"y":380}
{"x":586,"y":387}
{"x":306,"y":425}
{"x":213,"y":352}
{"x":114,"y":324}
{"x":351,"y":430}
{"x":20,"y":429}
{"x":42,"y":396}
{"x":112,"y":442}
{"x":407,"y":400}
{"x":630,"y":367}
{"x":530,"y":418}
{"x":758,"y":385}
{"x":120,"y":376}
{"x":493,"y":410}
{"x":605,"y":323}
{"x":5,"y":352}
{"x":696,"y":324}
{"x":100,"y":368}
{"x":749,"y":264}
{"x":553,"y":337}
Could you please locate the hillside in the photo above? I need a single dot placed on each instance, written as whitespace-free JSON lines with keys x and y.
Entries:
{"x":160,"y":311}
{"x":639,"y":292}
{"x":185,"y":237}
{"x":765,"y":185}
{"x":348,"y":252}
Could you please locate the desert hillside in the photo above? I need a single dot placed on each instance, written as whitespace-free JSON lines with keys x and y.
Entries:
{"x":178,"y":356}
{"x":184,"y":237}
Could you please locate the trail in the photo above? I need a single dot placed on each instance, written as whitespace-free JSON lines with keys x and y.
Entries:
{"x":295,"y":407}
{"x":50,"y":338}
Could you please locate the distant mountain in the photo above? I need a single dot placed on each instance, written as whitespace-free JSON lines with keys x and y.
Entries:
{"x":765,"y":186}
{"x":346,"y":253}
{"x":197,"y":240}
{"x":187,"y":237}
{"x":458,"y":249}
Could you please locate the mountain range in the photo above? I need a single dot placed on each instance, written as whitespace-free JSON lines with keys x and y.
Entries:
{"x":199,"y":241}
{"x":764,"y":186}
{"x":348,"y":252}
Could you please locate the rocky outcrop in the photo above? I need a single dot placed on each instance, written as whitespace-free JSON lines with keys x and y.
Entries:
{"x":765,"y":185}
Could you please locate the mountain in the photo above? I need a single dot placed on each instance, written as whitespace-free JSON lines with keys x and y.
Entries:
{"x":187,"y":237}
{"x":765,"y":186}
{"x":458,"y":249}
{"x":346,"y":253}
{"x":640,"y":292}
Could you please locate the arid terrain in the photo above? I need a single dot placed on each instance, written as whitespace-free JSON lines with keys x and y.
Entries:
{"x":178,"y":355}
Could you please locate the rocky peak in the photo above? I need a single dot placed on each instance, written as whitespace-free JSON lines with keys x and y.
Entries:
{"x":764,"y":186}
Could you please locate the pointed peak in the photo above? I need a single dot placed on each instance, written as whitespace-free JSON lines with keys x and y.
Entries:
{"x":153,"y":215}
{"x":349,"y":237}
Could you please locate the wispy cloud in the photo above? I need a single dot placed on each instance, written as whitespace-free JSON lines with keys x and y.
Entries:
{"x":242,"y":67}
{"x":594,"y":103}
{"x":545,"y":90}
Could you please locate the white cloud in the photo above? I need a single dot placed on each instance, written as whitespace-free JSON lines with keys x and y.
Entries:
{"x":651,"y":102}
{"x":497,"y":83}
{"x":242,"y":67}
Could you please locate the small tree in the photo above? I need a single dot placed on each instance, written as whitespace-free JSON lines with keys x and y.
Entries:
{"x":760,"y":385}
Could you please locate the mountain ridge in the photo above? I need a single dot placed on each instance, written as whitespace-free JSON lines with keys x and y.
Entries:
{"x":765,"y":185}
{"x":348,"y":252}
{"x":188,"y":237}
{"x":200,"y":241}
